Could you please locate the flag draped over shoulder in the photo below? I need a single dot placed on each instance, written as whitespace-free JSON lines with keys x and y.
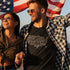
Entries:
{"x":54,"y":6}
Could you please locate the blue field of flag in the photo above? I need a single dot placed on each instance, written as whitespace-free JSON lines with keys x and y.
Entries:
{"x":6,"y":5}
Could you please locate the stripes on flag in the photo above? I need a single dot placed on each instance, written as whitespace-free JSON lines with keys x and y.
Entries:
{"x":54,"y":7}
{"x":18,"y":6}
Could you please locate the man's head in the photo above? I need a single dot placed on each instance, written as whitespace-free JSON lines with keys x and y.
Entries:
{"x":36,"y":9}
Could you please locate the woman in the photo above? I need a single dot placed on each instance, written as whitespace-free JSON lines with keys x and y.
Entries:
{"x":10,"y":42}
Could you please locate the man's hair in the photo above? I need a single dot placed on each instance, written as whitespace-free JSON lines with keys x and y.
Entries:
{"x":42,"y":3}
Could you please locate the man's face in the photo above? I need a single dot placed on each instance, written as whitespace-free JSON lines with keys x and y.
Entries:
{"x":35,"y":12}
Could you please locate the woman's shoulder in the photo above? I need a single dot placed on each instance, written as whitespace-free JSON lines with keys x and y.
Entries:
{"x":1,"y":34}
{"x":19,"y":39}
{"x":0,"y":29}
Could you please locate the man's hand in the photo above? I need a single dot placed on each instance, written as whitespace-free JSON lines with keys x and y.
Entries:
{"x":19,"y":57}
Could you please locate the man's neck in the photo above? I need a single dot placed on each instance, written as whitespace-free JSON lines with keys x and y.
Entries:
{"x":41,"y":23}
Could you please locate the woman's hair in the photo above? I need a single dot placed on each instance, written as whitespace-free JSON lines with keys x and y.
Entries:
{"x":16,"y":18}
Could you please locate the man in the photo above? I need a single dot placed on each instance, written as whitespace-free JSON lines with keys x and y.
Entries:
{"x":45,"y":40}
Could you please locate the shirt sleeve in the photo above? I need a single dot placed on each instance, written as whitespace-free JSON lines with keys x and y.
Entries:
{"x":67,"y":20}
{"x":62,"y":20}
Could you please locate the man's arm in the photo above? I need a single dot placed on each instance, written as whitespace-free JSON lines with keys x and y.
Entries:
{"x":62,"y":20}
{"x":67,"y":20}
{"x":19,"y":57}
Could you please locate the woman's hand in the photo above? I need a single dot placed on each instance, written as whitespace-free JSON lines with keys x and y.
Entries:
{"x":19,"y":57}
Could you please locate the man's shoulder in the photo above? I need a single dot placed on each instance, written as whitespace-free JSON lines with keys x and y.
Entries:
{"x":61,"y":17}
{"x":25,"y":27}
{"x":58,"y":18}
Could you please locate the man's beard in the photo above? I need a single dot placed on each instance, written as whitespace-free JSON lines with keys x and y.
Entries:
{"x":37,"y":18}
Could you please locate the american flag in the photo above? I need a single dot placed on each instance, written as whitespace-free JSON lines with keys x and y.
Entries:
{"x":6,"y":6}
{"x":54,"y":6}
{"x":14,"y":5}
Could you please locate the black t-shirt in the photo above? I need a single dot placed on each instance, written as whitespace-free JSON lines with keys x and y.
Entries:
{"x":41,"y":50}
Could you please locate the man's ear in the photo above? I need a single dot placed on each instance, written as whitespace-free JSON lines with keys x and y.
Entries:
{"x":42,"y":10}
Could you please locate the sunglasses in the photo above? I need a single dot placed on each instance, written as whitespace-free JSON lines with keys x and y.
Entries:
{"x":7,"y":19}
{"x":31,"y":11}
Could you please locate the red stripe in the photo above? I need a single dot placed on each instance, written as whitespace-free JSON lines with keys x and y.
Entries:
{"x":50,"y":17}
{"x":58,"y":4}
{"x":20,"y":7}
{"x":53,"y":12}
{"x":16,"y":0}
{"x":24,"y":6}
{"x":1,"y":16}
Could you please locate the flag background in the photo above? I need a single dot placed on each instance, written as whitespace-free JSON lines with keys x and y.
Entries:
{"x":25,"y":18}
{"x":54,"y":6}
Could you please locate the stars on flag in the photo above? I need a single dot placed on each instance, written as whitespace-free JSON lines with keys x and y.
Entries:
{"x":6,"y":5}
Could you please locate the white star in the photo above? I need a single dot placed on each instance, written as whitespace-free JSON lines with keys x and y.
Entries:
{"x":4,"y":0}
{"x":8,"y":9}
{"x":0,"y":4}
{"x":8,"y":3}
{"x":4,"y":7}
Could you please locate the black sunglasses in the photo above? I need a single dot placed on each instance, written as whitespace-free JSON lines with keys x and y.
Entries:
{"x":31,"y":11}
{"x":7,"y":19}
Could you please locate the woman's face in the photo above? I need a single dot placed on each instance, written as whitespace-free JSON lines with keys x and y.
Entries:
{"x":8,"y":22}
